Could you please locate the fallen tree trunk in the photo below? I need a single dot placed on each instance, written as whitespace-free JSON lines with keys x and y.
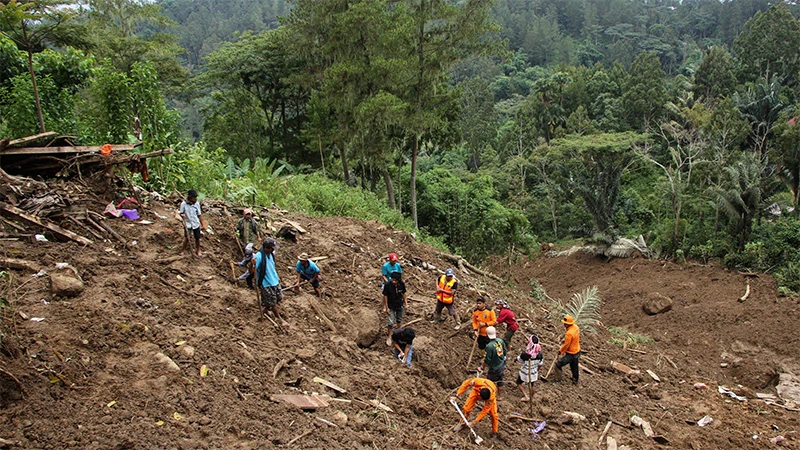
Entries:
{"x":462,"y":264}
{"x":19,"y":264}
{"x":44,"y":223}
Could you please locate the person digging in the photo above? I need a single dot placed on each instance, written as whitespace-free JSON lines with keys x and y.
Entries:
{"x":480,"y":389}
{"x":506,"y":316}
{"x":494,"y":363}
{"x":570,"y":351}
{"x":446,"y":286}
{"x":245,"y":262}
{"x":403,"y":343}
{"x":267,"y":280}
{"x":394,"y":302}
{"x":308,"y":271}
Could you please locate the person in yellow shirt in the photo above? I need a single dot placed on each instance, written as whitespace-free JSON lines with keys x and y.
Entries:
{"x":483,"y":389}
{"x":570,"y":350}
{"x":482,"y":318}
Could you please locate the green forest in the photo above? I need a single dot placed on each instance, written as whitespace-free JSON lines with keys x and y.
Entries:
{"x":487,"y":127}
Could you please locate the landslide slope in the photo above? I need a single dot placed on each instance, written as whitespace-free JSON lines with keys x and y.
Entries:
{"x":119,"y":366}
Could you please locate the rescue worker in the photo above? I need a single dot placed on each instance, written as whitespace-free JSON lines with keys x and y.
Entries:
{"x":482,"y":318}
{"x":494,"y":363}
{"x":480,"y":389}
{"x":570,"y":350}
{"x":446,"y":286}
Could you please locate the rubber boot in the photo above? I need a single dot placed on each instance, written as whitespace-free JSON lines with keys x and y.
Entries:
{"x":457,"y":321}
{"x":437,"y":317}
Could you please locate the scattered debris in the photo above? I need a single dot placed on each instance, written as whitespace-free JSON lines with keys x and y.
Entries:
{"x":571,"y":418}
{"x":330,"y":385}
{"x":65,"y":286}
{"x":313,"y":401}
{"x":725,"y":391}
{"x":746,"y":293}
{"x":653,"y":375}
{"x":619,"y":367}
{"x":705,"y":421}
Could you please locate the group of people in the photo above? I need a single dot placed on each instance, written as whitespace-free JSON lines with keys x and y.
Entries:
{"x":486,"y":386}
{"x":260,"y":266}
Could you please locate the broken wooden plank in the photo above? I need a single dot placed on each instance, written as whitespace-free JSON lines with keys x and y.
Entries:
{"x":586,"y":369}
{"x":18,"y":264}
{"x":26,"y":139}
{"x":296,"y":226}
{"x":101,"y":220}
{"x":318,"y":310}
{"x":55,"y":229}
{"x":301,"y":401}
{"x":289,"y":444}
{"x":641,"y":352}
{"x":327,"y":383}
{"x":413,"y":322}
{"x":318,"y":258}
{"x":603,"y":434}
{"x":653,"y":375}
{"x":619,"y":367}
{"x":278,"y":367}
{"x":64,"y":149}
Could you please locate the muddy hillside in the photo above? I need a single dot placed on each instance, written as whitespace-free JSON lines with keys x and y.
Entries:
{"x":128,"y":342}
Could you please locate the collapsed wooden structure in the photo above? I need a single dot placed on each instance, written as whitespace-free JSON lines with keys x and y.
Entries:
{"x":29,"y":206}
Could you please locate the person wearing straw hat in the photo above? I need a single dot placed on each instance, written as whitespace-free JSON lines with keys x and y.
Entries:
{"x":308,"y":271}
{"x":570,"y":350}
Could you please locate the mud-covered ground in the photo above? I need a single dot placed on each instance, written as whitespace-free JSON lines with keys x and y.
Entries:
{"x":119,"y":366}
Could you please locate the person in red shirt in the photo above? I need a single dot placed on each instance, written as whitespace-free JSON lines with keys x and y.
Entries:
{"x":506,"y":316}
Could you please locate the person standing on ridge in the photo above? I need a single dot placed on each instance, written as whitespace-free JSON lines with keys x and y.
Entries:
{"x":482,"y":318}
{"x":394,"y":302}
{"x":446,"y":286}
{"x":389,"y":267}
{"x":191,"y":214}
{"x":570,"y":350}
{"x":506,"y":316}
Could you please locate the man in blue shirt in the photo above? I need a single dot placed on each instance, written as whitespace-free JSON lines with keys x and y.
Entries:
{"x":307,"y":270}
{"x":267,"y":279}
{"x":390,"y":267}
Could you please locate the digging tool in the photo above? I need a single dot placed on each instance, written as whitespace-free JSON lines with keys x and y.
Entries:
{"x":547,"y":376}
{"x":293,"y":286}
{"x":530,"y":389}
{"x":478,"y":439}
{"x":472,"y":352}
{"x":233,"y":272}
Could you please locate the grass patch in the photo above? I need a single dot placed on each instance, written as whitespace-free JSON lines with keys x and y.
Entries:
{"x":623,"y":337}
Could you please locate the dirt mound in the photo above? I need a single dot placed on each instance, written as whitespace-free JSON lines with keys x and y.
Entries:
{"x":162,"y":352}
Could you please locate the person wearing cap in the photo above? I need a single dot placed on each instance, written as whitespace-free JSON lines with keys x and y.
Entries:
{"x":247,"y":229}
{"x":394,"y":302}
{"x":570,"y":351}
{"x":495,"y":359}
{"x":480,"y":389}
{"x":307,"y":270}
{"x":267,"y":280}
{"x":247,"y":275}
{"x":446,"y":286}
{"x":190,"y":214}
{"x":506,"y":316}
{"x":482,"y":318}
{"x":389,"y":267}
{"x":403,"y":342}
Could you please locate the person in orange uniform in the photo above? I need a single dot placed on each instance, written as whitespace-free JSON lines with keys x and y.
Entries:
{"x":570,"y":350}
{"x":446,"y":287}
{"x":481,"y":319}
{"x":483,"y":389}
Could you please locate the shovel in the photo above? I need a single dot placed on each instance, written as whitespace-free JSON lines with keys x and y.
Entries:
{"x":478,"y":439}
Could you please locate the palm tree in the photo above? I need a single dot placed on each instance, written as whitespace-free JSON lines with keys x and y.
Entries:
{"x":741,"y":199}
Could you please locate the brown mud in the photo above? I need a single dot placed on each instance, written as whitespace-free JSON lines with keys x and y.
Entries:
{"x":119,"y":366}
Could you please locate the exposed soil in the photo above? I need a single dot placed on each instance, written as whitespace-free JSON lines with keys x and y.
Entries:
{"x":95,"y":376}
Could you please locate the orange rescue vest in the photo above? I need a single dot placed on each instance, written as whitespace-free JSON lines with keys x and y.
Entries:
{"x":446,"y":286}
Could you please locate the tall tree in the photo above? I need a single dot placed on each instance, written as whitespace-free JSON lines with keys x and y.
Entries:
{"x":442,"y":33}
{"x":769,"y":46}
{"x":31,"y":26}
{"x":714,"y":78}
{"x":644,"y":92}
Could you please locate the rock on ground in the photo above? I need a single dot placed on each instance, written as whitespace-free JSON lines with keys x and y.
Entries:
{"x":65,"y":286}
{"x":656,"y":303}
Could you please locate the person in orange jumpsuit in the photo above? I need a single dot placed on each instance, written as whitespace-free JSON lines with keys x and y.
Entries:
{"x":482,"y":318}
{"x":480,"y":389}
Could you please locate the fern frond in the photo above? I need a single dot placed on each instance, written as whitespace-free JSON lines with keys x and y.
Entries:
{"x":584,"y":308}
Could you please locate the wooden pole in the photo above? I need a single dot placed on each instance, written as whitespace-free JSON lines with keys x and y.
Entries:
{"x":474,"y":345}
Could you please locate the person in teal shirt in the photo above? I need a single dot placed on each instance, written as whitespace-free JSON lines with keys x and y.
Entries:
{"x":307,"y":270}
{"x":267,"y":280}
{"x":390,"y":267}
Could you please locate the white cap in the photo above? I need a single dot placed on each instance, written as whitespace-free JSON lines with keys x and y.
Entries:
{"x":491,"y":332}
